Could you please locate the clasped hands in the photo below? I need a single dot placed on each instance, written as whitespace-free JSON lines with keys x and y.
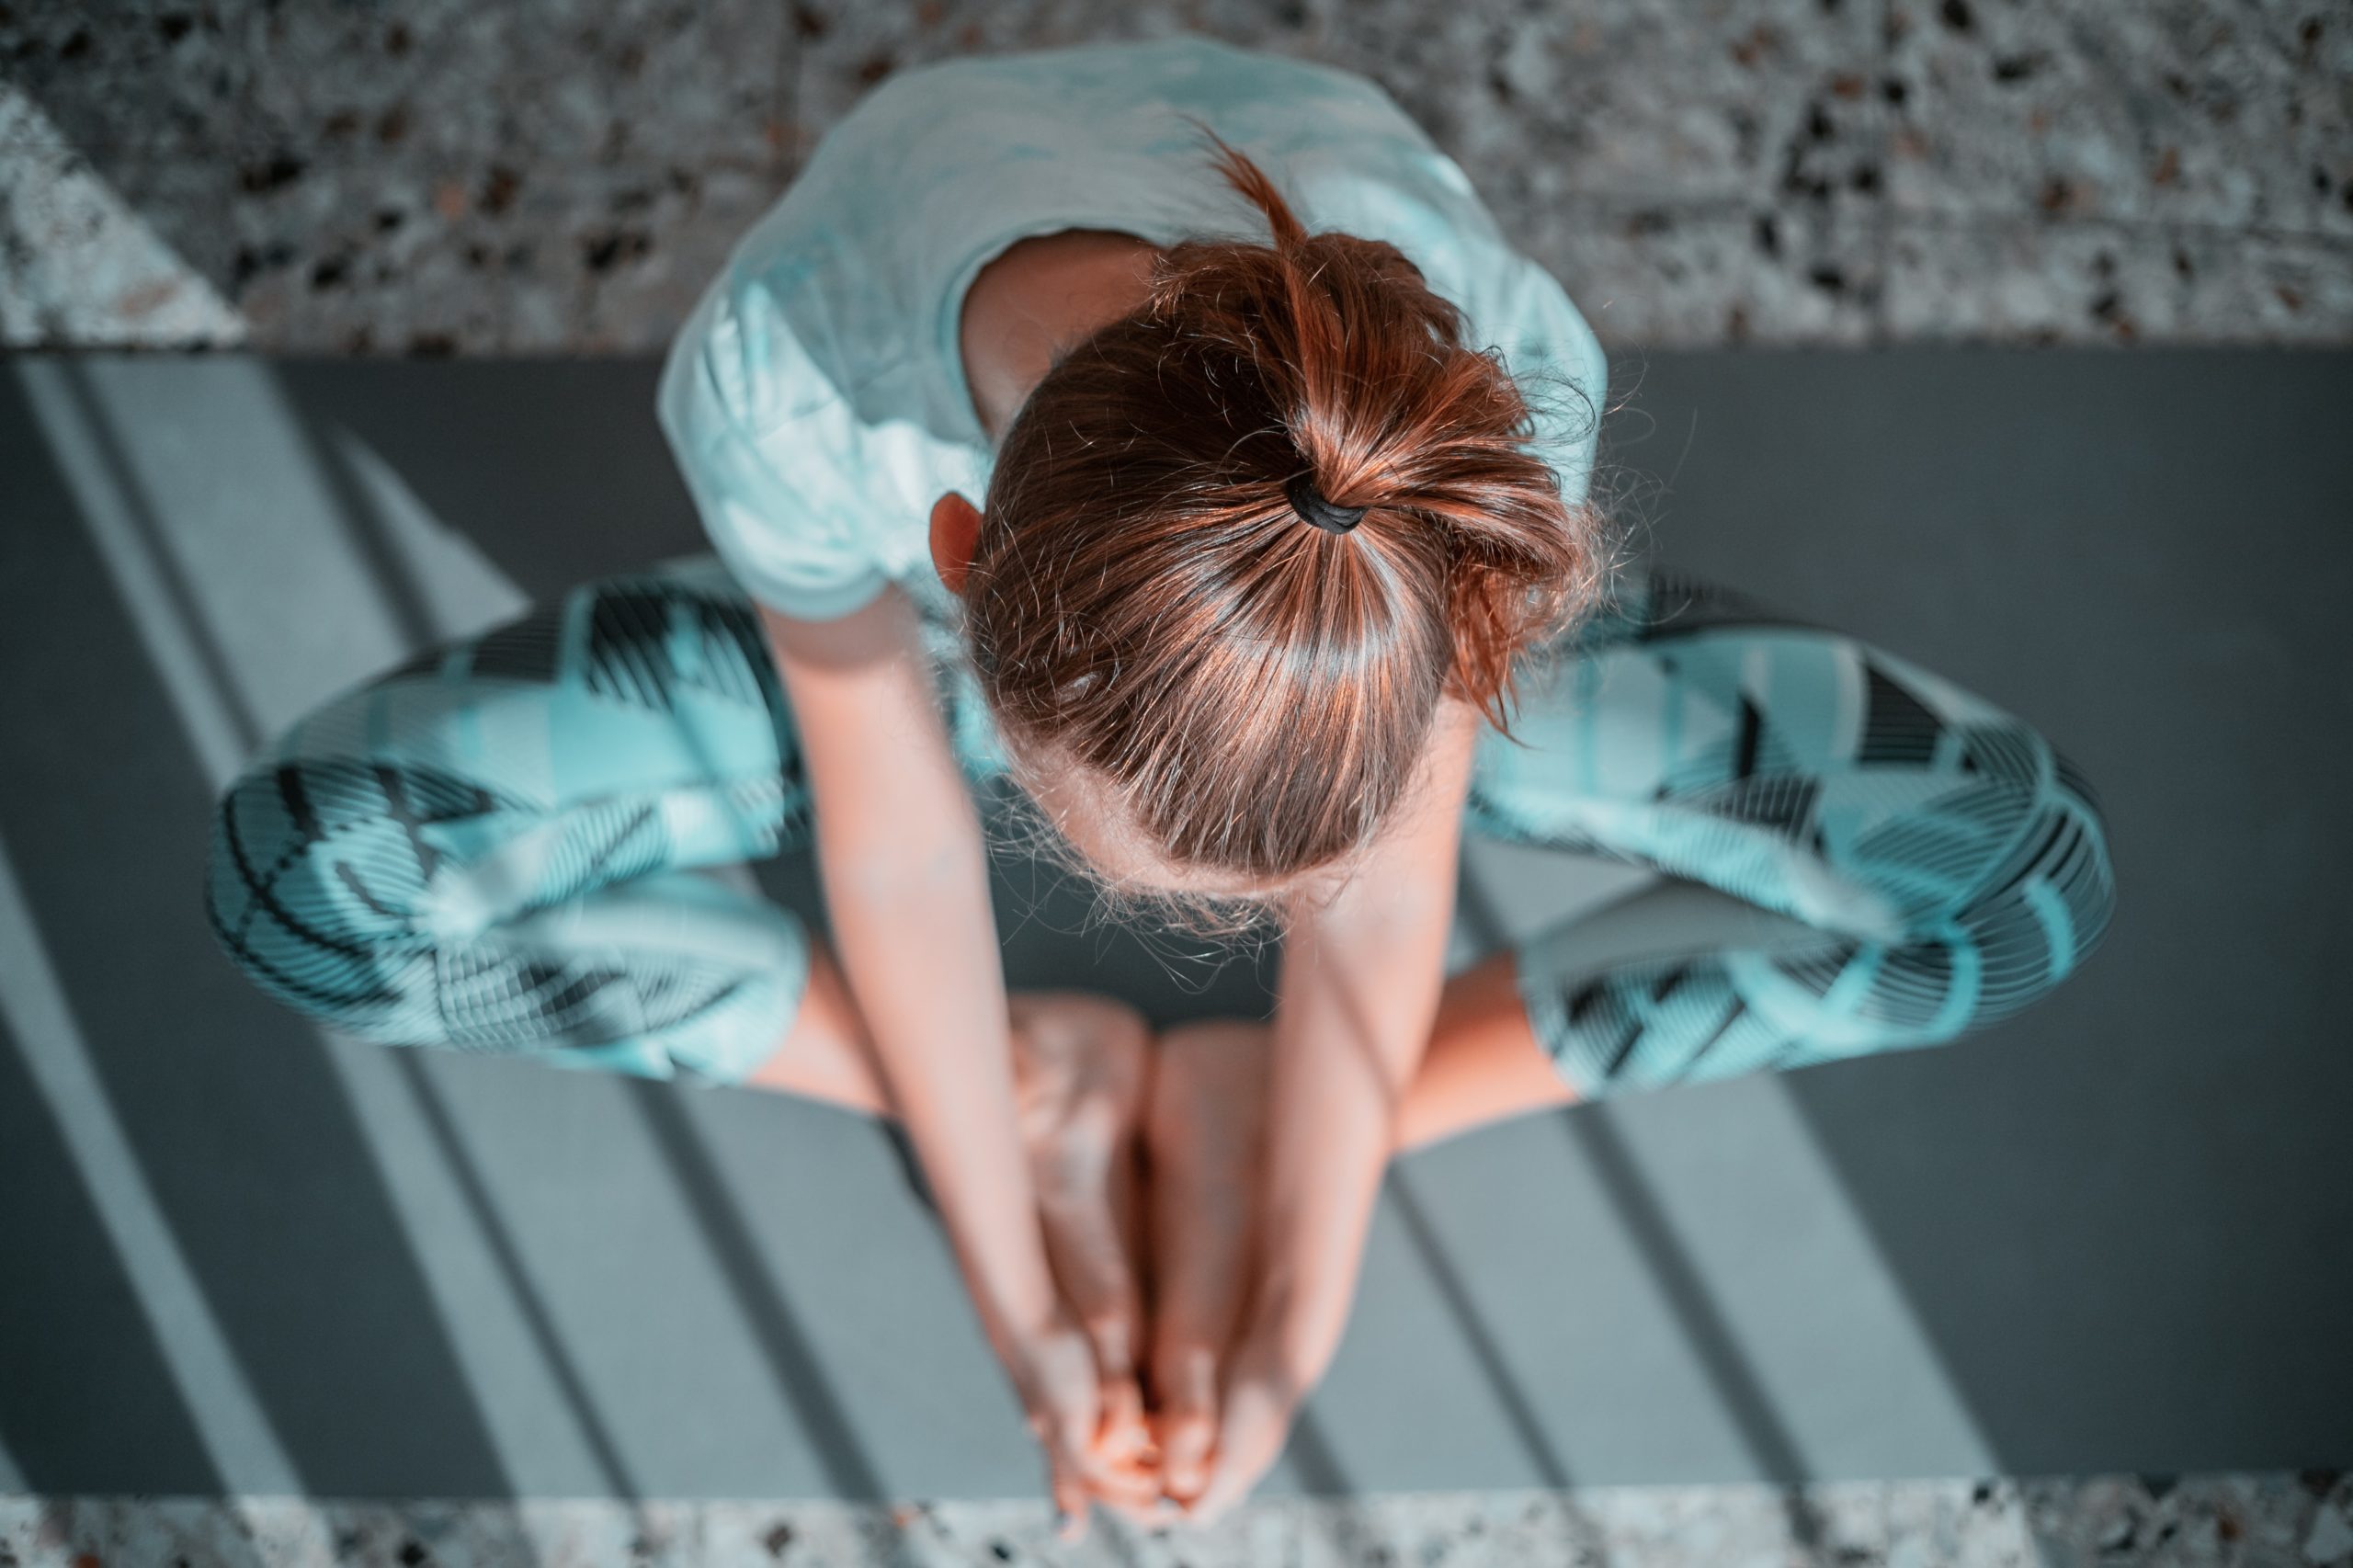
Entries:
{"x":1186,"y":1453}
{"x":1163,"y":1380}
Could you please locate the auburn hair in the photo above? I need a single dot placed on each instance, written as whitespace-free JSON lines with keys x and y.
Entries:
{"x":1144,"y":602}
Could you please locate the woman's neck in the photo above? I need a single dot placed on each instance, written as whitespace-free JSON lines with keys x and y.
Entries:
{"x":1041,"y":295}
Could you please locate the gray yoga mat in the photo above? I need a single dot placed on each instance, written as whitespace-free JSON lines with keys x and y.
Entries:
{"x":2107,"y":1236}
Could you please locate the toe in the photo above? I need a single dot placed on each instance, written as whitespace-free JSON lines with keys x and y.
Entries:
{"x":1184,"y":1378}
{"x":1186,"y":1440}
{"x":1126,"y":1431}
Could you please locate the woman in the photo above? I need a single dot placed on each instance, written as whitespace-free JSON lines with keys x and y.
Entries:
{"x":1167,"y":428}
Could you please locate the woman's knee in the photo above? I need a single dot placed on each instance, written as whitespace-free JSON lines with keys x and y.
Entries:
{"x":323,"y":901}
{"x":310,"y":894}
{"x":2049,"y":905}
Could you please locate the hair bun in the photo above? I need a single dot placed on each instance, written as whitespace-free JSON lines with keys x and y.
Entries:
{"x":1315,"y":510}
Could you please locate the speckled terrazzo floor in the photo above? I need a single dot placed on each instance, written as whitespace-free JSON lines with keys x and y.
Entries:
{"x":447,"y":177}
{"x":2225,"y":1521}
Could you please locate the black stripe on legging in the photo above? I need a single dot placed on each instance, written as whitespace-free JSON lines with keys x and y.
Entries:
{"x":2017,"y":868}
{"x":628,"y":832}
{"x":1732,"y":1016}
{"x":296,"y":798}
{"x":317,"y":995}
{"x":395,"y":787}
{"x":1625,"y":1047}
{"x":350,"y":879}
{"x":262,"y":895}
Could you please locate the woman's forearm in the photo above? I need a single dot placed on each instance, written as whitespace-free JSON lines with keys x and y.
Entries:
{"x":916,"y":938}
{"x":1352,"y":1021}
{"x":906,"y":884}
{"x":1312,"y":1247}
{"x":1360,"y":991}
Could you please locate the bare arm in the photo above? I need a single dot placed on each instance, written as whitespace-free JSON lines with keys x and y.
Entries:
{"x":1359,"y":990}
{"x":906,"y":884}
{"x":905,"y":875}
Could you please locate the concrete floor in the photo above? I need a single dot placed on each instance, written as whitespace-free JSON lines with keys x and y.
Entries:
{"x":2107,"y":1236}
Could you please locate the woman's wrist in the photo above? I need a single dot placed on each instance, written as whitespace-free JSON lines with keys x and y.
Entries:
{"x":999,"y":1250}
{"x":1321,"y":1190}
{"x":1016,"y":1303}
{"x":973,"y":1161}
{"x":1288,"y":1343}
{"x":1307,"y":1281}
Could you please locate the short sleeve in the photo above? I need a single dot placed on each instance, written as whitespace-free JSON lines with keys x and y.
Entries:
{"x":771,"y":454}
{"x":1558,"y":364}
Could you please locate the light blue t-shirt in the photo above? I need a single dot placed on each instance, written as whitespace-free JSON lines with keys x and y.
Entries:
{"x":816,"y":400}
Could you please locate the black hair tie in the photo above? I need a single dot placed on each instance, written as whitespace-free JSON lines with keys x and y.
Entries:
{"x":1313,"y":508}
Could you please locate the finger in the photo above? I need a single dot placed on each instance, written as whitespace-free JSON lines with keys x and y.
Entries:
{"x":1250,"y":1435}
{"x":1060,"y":1425}
{"x":1125,"y":1435}
{"x":1191,"y":1440}
{"x":1186,"y":1424}
{"x":1066,"y":1480}
{"x":1072,"y":1455}
{"x":1231,"y":1480}
{"x":1119,"y":1485}
{"x":1117,"y":1431}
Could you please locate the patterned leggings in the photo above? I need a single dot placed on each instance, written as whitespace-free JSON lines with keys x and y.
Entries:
{"x":492,"y":847}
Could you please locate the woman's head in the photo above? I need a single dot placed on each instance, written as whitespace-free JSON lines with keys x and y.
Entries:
{"x":1217,"y":686}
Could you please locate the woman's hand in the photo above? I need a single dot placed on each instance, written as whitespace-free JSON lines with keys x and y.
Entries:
{"x":1056,"y":1377}
{"x":1361,"y":973}
{"x":1261,"y":1393}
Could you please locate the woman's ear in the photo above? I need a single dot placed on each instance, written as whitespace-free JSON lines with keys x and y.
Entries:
{"x":955,"y":534}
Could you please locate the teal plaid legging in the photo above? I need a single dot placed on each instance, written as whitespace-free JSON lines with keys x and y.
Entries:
{"x":492,"y":847}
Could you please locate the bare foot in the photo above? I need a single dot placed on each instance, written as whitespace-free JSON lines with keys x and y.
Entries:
{"x":1081,"y":1065}
{"x":1205,"y":1146}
